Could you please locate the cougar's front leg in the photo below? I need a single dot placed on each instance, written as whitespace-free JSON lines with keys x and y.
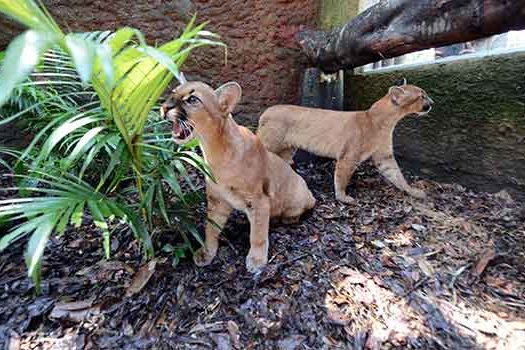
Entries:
{"x":218,"y":213}
{"x":387,"y":166}
{"x":344,"y":169}
{"x":258,"y":212}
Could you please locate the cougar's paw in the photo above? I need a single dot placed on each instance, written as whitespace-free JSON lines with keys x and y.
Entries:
{"x":202,"y":257}
{"x":254,"y":262}
{"x":417,"y":193}
{"x":345,"y":199}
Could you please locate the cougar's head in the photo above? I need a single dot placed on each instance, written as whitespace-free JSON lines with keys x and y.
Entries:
{"x":410,"y":99}
{"x":194,"y":106}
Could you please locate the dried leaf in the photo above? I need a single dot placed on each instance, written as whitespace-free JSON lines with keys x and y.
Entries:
{"x":292,"y":342}
{"x":483,"y":261}
{"x":353,"y":276}
{"x":501,"y":284}
{"x":76,"y":311}
{"x":336,"y":316}
{"x":329,"y":341}
{"x":418,"y":228}
{"x":425,"y":267}
{"x":233,"y":330}
{"x":141,"y":278}
{"x":388,"y":260}
{"x":378,"y":244}
{"x":222,"y":341}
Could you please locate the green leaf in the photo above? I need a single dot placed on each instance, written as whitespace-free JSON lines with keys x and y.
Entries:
{"x":29,"y":14}
{"x":64,"y":219}
{"x":120,"y":39}
{"x":162,"y":58}
{"x":21,"y":57}
{"x":162,"y":203}
{"x":37,"y":244}
{"x":18,"y":233}
{"x":64,"y":130}
{"x":78,"y":214}
{"x":83,"y":53}
{"x":139,"y":229}
{"x":117,"y":158}
{"x":168,"y":174}
{"x":168,"y":248}
{"x":147,"y":203}
{"x":82,"y":145}
{"x":105,"y":60}
{"x":101,"y":223}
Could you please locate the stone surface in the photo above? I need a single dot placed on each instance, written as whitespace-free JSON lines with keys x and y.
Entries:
{"x":475,"y":135}
{"x":262,"y":53}
{"x":333,"y":13}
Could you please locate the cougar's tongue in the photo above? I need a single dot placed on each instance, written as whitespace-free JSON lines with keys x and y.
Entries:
{"x":177,"y":129}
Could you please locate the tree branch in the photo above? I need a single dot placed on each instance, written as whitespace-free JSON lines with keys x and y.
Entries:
{"x":395,"y":27}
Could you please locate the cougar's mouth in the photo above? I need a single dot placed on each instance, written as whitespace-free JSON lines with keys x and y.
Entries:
{"x":182,"y":128}
{"x":427,"y":107}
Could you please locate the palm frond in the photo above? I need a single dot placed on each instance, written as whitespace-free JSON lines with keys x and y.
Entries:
{"x":98,"y":148}
{"x":61,"y":201}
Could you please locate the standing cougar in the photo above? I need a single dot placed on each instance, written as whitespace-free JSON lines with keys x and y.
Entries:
{"x":349,"y":137}
{"x":247,"y":176}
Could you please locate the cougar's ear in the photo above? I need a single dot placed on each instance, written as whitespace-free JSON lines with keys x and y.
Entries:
{"x":397,"y":94}
{"x":182,"y":78}
{"x":228,"y":96}
{"x":400,"y":82}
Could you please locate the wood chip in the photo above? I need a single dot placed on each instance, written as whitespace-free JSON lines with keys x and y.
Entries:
{"x":141,"y":278}
{"x":76,"y":311}
{"x":425,"y":267}
{"x":480,"y":266}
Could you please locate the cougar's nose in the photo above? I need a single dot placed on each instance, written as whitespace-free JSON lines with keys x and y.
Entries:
{"x":165,"y":108}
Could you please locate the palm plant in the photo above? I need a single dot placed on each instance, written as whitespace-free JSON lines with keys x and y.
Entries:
{"x":92,"y":101}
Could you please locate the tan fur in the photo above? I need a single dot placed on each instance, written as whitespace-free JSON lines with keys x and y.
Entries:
{"x":248,"y":177}
{"x":348,"y":137}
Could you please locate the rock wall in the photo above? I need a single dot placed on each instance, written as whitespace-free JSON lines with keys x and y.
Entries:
{"x":262,"y":54}
{"x":475,"y":135}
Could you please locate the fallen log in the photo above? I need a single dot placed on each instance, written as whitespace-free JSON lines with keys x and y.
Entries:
{"x":395,"y":27}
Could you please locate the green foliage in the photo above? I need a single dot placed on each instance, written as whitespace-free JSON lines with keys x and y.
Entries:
{"x":100,"y":150}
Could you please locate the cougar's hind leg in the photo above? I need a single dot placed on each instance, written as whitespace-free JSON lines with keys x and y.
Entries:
{"x":344,"y":169}
{"x":303,"y":203}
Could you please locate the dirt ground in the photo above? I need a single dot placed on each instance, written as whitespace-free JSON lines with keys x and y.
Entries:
{"x":389,"y":272}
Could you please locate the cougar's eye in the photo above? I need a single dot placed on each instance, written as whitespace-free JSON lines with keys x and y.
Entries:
{"x":192,"y":100}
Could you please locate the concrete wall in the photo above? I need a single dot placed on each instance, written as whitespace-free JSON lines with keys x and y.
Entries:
{"x":262,"y":53}
{"x":475,"y":135}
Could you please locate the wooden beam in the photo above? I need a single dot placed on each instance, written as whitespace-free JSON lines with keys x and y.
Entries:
{"x":392,"y":28}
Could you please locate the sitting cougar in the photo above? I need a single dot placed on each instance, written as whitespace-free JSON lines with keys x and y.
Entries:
{"x":247,"y":176}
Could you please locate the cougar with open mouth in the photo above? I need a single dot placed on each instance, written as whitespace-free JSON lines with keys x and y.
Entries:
{"x":247,"y":176}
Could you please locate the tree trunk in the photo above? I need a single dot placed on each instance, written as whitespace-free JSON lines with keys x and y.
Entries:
{"x":395,"y":27}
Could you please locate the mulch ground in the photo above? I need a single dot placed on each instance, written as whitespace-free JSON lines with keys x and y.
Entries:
{"x":389,"y":272}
